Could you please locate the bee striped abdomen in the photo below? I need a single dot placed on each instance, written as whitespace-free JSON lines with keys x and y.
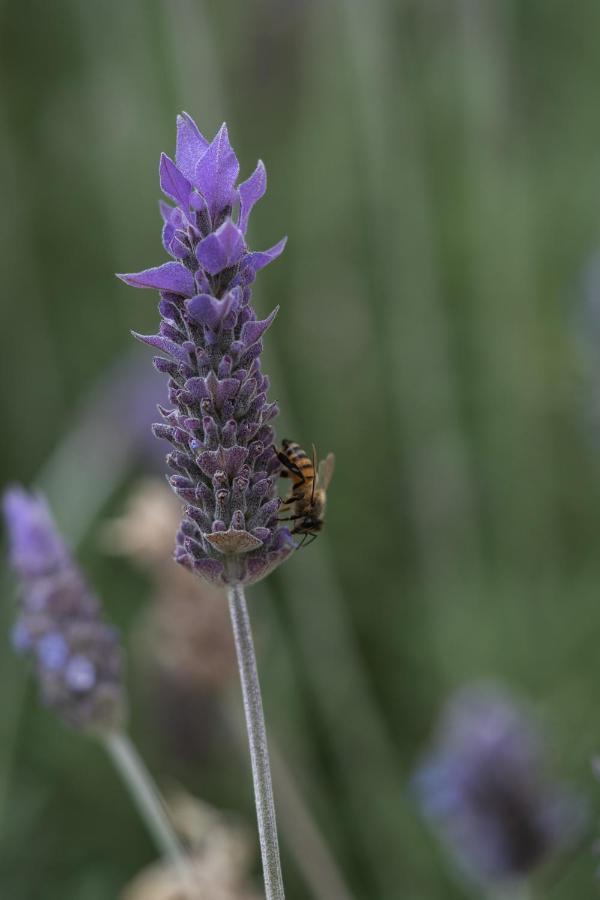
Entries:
{"x":296,"y":455}
{"x":299,"y":467}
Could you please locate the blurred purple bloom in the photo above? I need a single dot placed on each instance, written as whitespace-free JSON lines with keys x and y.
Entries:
{"x":485,"y":789}
{"x":219,"y":421}
{"x":36,"y":548}
{"x":76,"y":655}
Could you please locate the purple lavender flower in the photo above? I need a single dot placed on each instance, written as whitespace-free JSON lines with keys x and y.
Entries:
{"x":77,"y":657}
{"x":223,"y":457}
{"x":485,"y":789}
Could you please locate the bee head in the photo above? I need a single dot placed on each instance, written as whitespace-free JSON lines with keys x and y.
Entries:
{"x":310,"y":525}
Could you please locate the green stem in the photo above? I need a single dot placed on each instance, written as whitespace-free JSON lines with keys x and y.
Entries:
{"x":257,"y":740}
{"x":298,"y":827}
{"x":148,"y":800}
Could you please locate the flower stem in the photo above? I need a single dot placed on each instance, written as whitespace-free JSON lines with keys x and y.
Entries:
{"x":257,"y":739}
{"x":298,"y":828}
{"x":148,"y":800}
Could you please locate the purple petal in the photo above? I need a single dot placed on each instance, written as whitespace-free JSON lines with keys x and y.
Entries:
{"x":260,"y":259}
{"x":216,"y":173}
{"x":177,"y":247}
{"x":267,"y":511}
{"x":229,"y":459}
{"x":283,"y":540}
{"x":165,"y":345}
{"x":234,"y":458}
{"x":170,"y":276}
{"x":191,"y":145}
{"x":209,"y":569}
{"x":172,"y":214}
{"x":250,"y":192}
{"x":222,"y":249}
{"x":209,"y":461}
{"x":165,"y":211}
{"x":174,"y":220}
{"x":197,"y":388}
{"x":168,"y":234}
{"x":173,"y":183}
{"x":208,"y":310}
{"x":253,"y":331}
{"x":205,"y":310}
{"x":221,"y":389}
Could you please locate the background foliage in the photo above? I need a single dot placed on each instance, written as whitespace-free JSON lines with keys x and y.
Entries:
{"x":435,"y":165}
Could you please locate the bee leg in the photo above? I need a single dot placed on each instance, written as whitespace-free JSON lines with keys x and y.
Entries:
{"x":293,"y":468}
{"x":292,"y":497}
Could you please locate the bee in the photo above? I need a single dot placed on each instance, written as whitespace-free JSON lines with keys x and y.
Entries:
{"x":308,"y":497}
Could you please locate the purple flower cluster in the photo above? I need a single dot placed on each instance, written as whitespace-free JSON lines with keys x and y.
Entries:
{"x":77,"y":656}
{"x":219,"y":424}
{"x":485,"y":789}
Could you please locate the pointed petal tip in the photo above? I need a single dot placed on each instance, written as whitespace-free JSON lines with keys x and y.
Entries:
{"x":171,"y":276}
{"x":173,"y":182}
{"x":162,"y":160}
{"x":186,"y":121}
{"x":222,"y":136}
{"x":261,"y":258}
{"x":250,"y":192}
{"x":184,"y":118}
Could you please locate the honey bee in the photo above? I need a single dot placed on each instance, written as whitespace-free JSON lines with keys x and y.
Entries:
{"x":308,"y":497}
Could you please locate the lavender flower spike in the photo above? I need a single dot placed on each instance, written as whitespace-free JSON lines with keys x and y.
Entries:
{"x":76,"y":655}
{"x":219,"y":425}
{"x":485,"y":789}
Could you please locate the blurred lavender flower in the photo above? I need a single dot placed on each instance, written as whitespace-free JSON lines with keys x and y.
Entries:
{"x":77,"y":657}
{"x":219,"y":427}
{"x":485,"y":790}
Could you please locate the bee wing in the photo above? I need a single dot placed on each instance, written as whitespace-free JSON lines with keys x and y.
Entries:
{"x":325,"y":474}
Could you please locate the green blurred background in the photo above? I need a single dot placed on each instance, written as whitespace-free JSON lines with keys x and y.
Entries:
{"x":436,"y":165}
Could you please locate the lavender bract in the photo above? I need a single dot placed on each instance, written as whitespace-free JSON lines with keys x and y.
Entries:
{"x":223,"y":457}
{"x":76,"y":655}
{"x":485,"y":790}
